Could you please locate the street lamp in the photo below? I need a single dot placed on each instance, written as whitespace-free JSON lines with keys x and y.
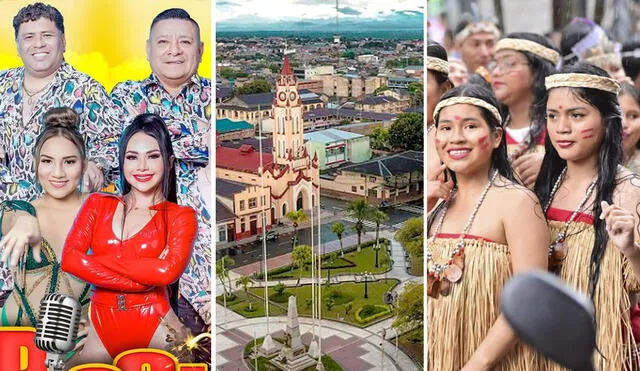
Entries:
{"x":364,"y":277}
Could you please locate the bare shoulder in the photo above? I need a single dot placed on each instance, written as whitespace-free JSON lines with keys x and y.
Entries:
{"x":627,"y":189}
{"x":513,"y":195}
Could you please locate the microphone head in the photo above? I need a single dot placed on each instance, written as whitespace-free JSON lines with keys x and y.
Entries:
{"x":58,"y":323}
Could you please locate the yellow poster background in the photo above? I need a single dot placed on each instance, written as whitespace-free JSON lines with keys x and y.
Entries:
{"x":106,"y":39}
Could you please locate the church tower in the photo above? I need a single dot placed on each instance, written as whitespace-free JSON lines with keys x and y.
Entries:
{"x":288,"y":131}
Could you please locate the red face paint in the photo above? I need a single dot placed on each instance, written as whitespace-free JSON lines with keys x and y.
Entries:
{"x":560,"y":107}
{"x":457,"y":117}
{"x":588,"y":133}
{"x":483,"y":142}
{"x":438,"y":141}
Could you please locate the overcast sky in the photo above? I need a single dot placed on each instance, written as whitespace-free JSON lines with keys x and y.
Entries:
{"x":280,"y":10}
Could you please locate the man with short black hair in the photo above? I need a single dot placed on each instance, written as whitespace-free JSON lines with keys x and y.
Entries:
{"x":183,"y":99}
{"x":46,"y":81}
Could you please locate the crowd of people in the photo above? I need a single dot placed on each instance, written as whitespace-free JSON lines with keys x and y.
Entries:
{"x":105,"y":197}
{"x":532,"y":163}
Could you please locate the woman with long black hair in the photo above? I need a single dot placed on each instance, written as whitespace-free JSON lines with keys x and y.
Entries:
{"x":523,"y":60}
{"x":486,"y":229}
{"x":437,"y":84}
{"x":591,"y":203}
{"x":140,"y":244}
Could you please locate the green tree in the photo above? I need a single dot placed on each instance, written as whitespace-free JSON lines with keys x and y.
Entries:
{"x":349,"y":54}
{"x":227,"y":73}
{"x":359,"y":210}
{"x":279,"y":288}
{"x":245,"y":282}
{"x":411,"y":236}
{"x":296,"y":217}
{"x":416,"y":91}
{"x":222,"y":272}
{"x":379,"y":138}
{"x":338,"y":229}
{"x":254,"y":87}
{"x":301,"y":258}
{"x":378,"y":216}
{"x":406,"y":132}
{"x":409,"y":308}
{"x":329,"y":302}
{"x":381,"y":89}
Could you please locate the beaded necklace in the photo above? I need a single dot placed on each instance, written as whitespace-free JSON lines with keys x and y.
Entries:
{"x":441,"y":276}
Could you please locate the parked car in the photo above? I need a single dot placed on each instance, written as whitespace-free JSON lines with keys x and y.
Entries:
{"x":270,"y":236}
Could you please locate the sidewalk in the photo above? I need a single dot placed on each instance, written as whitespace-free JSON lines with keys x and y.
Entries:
{"x":353,"y":347}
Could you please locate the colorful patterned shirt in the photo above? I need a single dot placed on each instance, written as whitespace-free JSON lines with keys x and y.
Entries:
{"x":99,"y":124}
{"x":184,"y":115}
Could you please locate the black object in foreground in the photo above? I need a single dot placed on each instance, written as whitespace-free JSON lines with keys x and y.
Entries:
{"x":551,"y":317}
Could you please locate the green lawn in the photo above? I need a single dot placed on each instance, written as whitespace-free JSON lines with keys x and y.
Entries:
{"x":364,"y":261}
{"x":412,"y":343}
{"x":241,"y":305}
{"x":344,"y":293}
{"x":417,"y":268}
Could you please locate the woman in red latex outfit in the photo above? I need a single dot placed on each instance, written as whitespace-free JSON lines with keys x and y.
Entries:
{"x":139,"y":244}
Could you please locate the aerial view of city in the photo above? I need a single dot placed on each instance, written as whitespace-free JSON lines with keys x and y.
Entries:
{"x":319,"y":185}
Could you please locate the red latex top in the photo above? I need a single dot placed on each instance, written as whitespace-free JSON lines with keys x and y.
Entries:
{"x":144,"y":261}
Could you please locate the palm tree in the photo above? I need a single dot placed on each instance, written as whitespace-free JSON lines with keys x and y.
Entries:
{"x":301,"y":258}
{"x":222,"y":271}
{"x":338,"y":229}
{"x":359,"y":210}
{"x":245,"y":282}
{"x":296,"y":217}
{"x":378,"y":216}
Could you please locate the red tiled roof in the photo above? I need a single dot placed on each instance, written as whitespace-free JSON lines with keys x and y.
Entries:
{"x":239,"y":160}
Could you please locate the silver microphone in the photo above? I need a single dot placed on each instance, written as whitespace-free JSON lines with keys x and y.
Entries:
{"x":57,"y":328}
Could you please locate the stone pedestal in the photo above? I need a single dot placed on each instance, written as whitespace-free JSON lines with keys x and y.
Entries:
{"x":293,"y":356}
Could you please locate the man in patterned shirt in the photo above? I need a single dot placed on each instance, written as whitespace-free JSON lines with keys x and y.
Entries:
{"x":175,"y":92}
{"x":26,"y":93}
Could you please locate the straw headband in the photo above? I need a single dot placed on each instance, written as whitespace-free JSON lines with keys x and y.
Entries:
{"x":604,"y":59}
{"x":475,"y":28}
{"x":582,"y":80}
{"x":437,"y":64}
{"x":468,"y":100}
{"x":529,"y":46}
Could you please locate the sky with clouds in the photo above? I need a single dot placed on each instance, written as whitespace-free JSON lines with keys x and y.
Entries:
{"x":281,"y":10}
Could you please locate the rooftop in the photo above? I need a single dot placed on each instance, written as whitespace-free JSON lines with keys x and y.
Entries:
{"x":245,"y":158}
{"x":381,"y":99}
{"x":398,"y":164}
{"x":226,"y":125}
{"x":223,"y":214}
{"x":267,"y":144}
{"x":330,"y":135}
{"x":228,"y":188}
{"x":348,"y":113}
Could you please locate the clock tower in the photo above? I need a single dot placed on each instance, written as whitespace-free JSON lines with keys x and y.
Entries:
{"x":288,"y":131}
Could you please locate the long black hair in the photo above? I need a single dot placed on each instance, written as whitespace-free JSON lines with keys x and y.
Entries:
{"x":609,"y":157}
{"x":499,"y":157}
{"x":437,"y":51}
{"x":152,"y":125}
{"x":540,"y":68}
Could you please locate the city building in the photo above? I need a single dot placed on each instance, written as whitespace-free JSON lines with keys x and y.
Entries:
{"x":289,"y":174}
{"x":335,"y":147}
{"x":350,"y":85}
{"x":324,"y":118}
{"x":225,"y":223}
{"x":367,"y":58}
{"x":229,"y":130}
{"x":394,"y":82}
{"x":246,"y":203}
{"x":256,"y":107}
{"x":382,"y":104}
{"x":390,"y":179}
